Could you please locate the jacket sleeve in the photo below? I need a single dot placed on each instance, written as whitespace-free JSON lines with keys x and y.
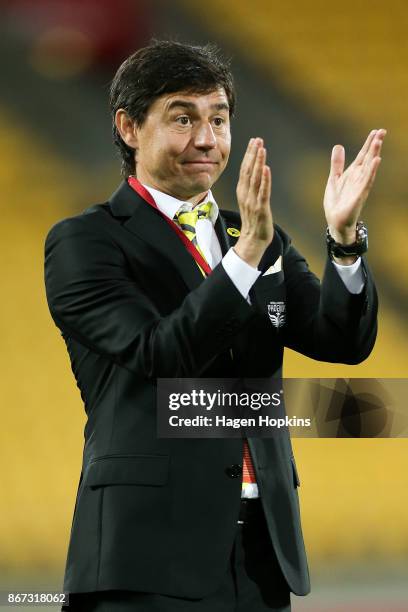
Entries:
{"x":94,"y":299}
{"x":324,"y":320}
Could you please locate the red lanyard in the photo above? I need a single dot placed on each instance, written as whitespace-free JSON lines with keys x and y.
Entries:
{"x":138,"y":187}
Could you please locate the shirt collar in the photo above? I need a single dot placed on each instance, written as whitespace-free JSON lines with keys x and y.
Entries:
{"x":169,"y":205}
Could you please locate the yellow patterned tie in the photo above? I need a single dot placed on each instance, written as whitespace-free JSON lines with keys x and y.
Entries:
{"x":188,"y":219}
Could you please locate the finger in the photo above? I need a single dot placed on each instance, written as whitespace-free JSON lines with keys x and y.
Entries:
{"x":375,"y":148}
{"x":265,"y":188}
{"x":367,"y":184}
{"x":364,"y":149}
{"x":257,"y":173}
{"x":247,"y":166}
{"x":338,"y":157}
{"x":250,"y":157}
{"x":372,"y":173}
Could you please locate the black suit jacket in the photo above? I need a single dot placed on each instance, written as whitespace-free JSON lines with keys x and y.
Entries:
{"x":160,"y":515}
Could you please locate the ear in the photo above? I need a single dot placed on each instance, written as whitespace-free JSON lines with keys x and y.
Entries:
{"x":126,"y":128}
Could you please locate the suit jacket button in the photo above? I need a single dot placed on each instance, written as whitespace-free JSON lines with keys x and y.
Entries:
{"x":234,"y":471}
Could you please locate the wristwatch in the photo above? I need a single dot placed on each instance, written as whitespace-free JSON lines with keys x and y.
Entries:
{"x":360,"y":246}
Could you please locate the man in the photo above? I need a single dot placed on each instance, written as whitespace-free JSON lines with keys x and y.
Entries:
{"x":158,"y":282}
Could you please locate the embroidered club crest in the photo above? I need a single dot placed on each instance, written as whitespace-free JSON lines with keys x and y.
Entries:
{"x":276,"y":312}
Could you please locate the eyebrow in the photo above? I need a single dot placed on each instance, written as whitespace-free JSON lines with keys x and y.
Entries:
{"x":191,"y":106}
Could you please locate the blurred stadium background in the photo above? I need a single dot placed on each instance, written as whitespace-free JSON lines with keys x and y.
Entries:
{"x":309,"y":75}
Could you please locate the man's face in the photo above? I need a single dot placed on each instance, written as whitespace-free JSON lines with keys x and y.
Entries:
{"x":184,"y":143}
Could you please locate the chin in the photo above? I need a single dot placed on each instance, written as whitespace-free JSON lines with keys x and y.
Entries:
{"x":202,"y":183}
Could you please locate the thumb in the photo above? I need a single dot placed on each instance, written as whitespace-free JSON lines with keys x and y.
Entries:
{"x":337,"y":161}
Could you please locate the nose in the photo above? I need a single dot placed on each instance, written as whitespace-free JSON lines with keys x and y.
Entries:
{"x":203,"y":137}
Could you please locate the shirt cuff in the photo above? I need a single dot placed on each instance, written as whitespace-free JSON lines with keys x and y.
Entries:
{"x":352,"y":276}
{"x":242,"y":274}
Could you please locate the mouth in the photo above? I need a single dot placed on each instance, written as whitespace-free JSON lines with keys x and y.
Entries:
{"x":203,"y":164}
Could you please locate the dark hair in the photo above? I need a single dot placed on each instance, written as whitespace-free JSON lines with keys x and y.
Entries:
{"x":164,"y":67}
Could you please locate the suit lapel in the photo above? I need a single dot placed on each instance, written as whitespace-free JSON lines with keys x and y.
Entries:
{"x":222,"y":225}
{"x":226,"y":228}
{"x":148,"y":224}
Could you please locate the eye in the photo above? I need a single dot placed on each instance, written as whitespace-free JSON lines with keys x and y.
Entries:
{"x":183,"y":120}
{"x":219,"y":121}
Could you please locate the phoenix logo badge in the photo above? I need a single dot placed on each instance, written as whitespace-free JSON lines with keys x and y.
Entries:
{"x":277,"y":313}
